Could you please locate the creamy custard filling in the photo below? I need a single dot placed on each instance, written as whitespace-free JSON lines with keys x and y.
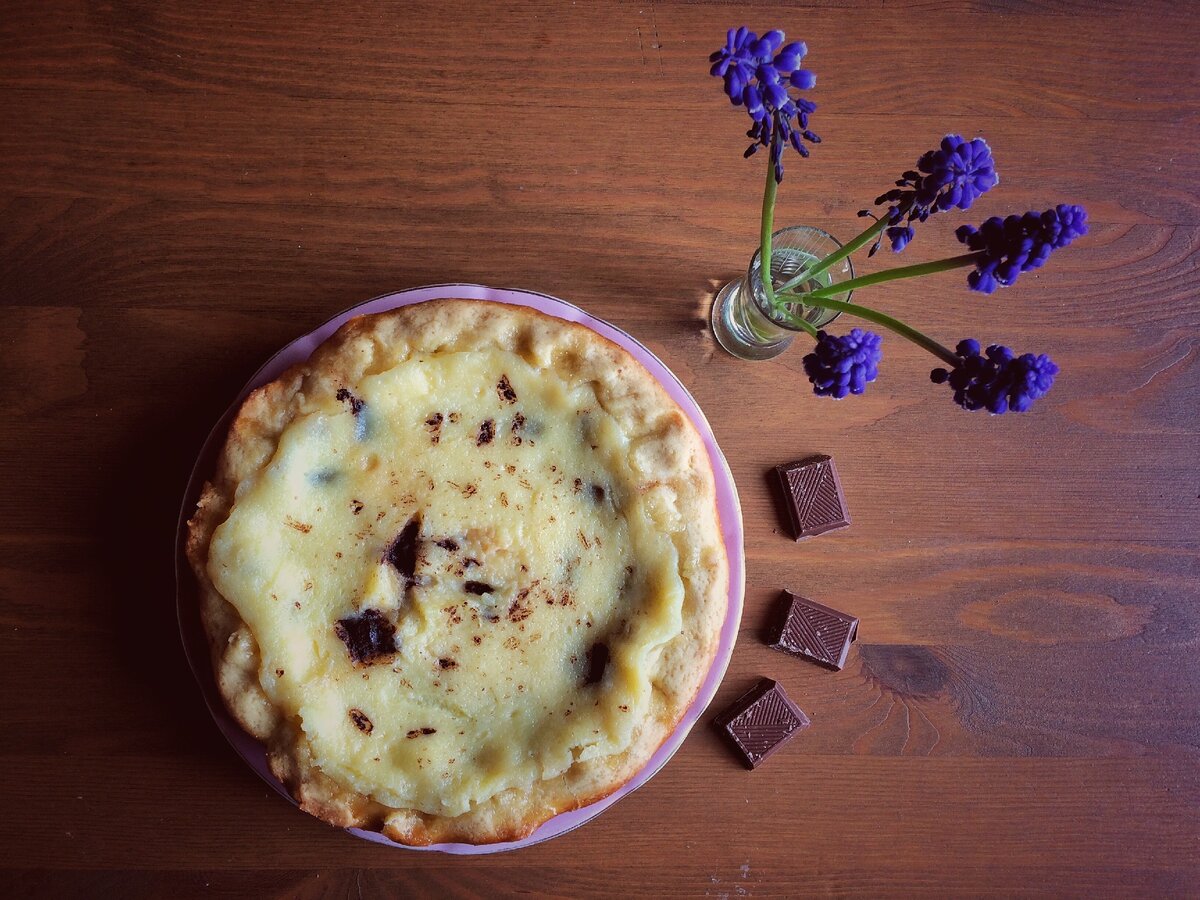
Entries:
{"x":454,"y":579}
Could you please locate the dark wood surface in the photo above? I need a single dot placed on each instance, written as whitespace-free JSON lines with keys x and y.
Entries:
{"x":185,"y":187}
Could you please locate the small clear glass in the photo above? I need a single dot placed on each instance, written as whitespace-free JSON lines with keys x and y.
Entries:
{"x":743,"y":321}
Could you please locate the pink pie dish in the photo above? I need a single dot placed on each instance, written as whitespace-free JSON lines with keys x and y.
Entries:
{"x":191,"y":630}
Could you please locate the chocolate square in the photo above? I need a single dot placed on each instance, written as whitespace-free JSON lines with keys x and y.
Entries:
{"x":762,"y":721}
{"x":813,"y":495}
{"x":812,"y":631}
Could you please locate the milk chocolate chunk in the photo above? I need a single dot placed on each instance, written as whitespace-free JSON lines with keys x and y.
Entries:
{"x":812,"y":631}
{"x":761,"y":722}
{"x":369,"y":637}
{"x":813,"y":494}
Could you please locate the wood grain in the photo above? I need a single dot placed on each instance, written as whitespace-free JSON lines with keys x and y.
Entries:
{"x":185,"y":188}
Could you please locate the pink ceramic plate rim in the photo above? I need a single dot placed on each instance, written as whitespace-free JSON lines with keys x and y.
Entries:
{"x":727,"y":504}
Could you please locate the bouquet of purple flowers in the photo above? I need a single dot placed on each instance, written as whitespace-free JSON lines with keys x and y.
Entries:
{"x":763,"y":75}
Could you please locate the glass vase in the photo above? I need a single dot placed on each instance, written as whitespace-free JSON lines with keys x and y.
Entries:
{"x":743,"y":320}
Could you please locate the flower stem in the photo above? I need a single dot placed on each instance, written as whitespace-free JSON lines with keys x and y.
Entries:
{"x":838,"y":255}
{"x":929,"y":268}
{"x":768,"y":219}
{"x":873,"y":315}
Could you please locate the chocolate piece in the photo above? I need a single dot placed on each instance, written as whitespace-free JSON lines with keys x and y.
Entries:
{"x":369,"y":637}
{"x":812,"y":631}
{"x":813,"y":494}
{"x":434,"y":426}
{"x":357,"y":408}
{"x":417,"y":732}
{"x":505,"y":390}
{"x":344,"y":396}
{"x":361,"y":722}
{"x":762,"y":721}
{"x":403,"y":551}
{"x":478,"y":588}
{"x":487,"y":431}
{"x":597,"y":662}
{"x":448,"y":544}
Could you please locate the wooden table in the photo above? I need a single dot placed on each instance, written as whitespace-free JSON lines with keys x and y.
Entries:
{"x":185,"y":187}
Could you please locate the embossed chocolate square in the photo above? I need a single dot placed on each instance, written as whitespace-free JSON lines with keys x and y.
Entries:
{"x":762,"y":721}
{"x":813,"y":495}
{"x":813,"y":631}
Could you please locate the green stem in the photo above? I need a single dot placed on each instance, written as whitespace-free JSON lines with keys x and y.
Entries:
{"x":838,"y":255}
{"x":805,"y":325}
{"x":929,"y":268}
{"x":879,"y":318}
{"x":764,"y":235}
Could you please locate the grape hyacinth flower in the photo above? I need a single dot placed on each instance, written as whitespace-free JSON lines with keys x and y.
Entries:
{"x":954,"y":175}
{"x":1017,"y":244}
{"x":999,"y":381}
{"x":843,"y":365}
{"x":759,"y":74}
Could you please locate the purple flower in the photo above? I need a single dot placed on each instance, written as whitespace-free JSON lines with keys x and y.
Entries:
{"x":955,"y":174}
{"x":734,"y":64}
{"x":999,"y":381}
{"x":759,"y":74}
{"x":1007,"y":247}
{"x":952,"y":176}
{"x":843,"y":365}
{"x":900,"y":235}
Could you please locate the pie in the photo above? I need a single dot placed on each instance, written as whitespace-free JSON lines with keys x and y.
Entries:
{"x":460,"y":571}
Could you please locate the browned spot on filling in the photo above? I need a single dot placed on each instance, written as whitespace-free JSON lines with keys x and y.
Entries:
{"x":279,"y":673}
{"x":299,"y":526}
{"x":454,"y":417}
{"x":446,"y":663}
{"x":477,"y":639}
{"x":402,"y":553}
{"x":357,"y":506}
{"x":361,"y":722}
{"x":369,"y":637}
{"x":518,"y":426}
{"x":434,"y":426}
{"x":578,"y":485}
{"x":448,"y":544}
{"x":478,"y":588}
{"x":597,"y":493}
{"x":470,"y":561}
{"x":469,"y":490}
{"x":503,"y":499}
{"x":505,"y":390}
{"x":417,"y":732}
{"x":597,"y":662}
{"x":583,"y":540}
{"x":519,"y":612}
{"x":487,"y":431}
